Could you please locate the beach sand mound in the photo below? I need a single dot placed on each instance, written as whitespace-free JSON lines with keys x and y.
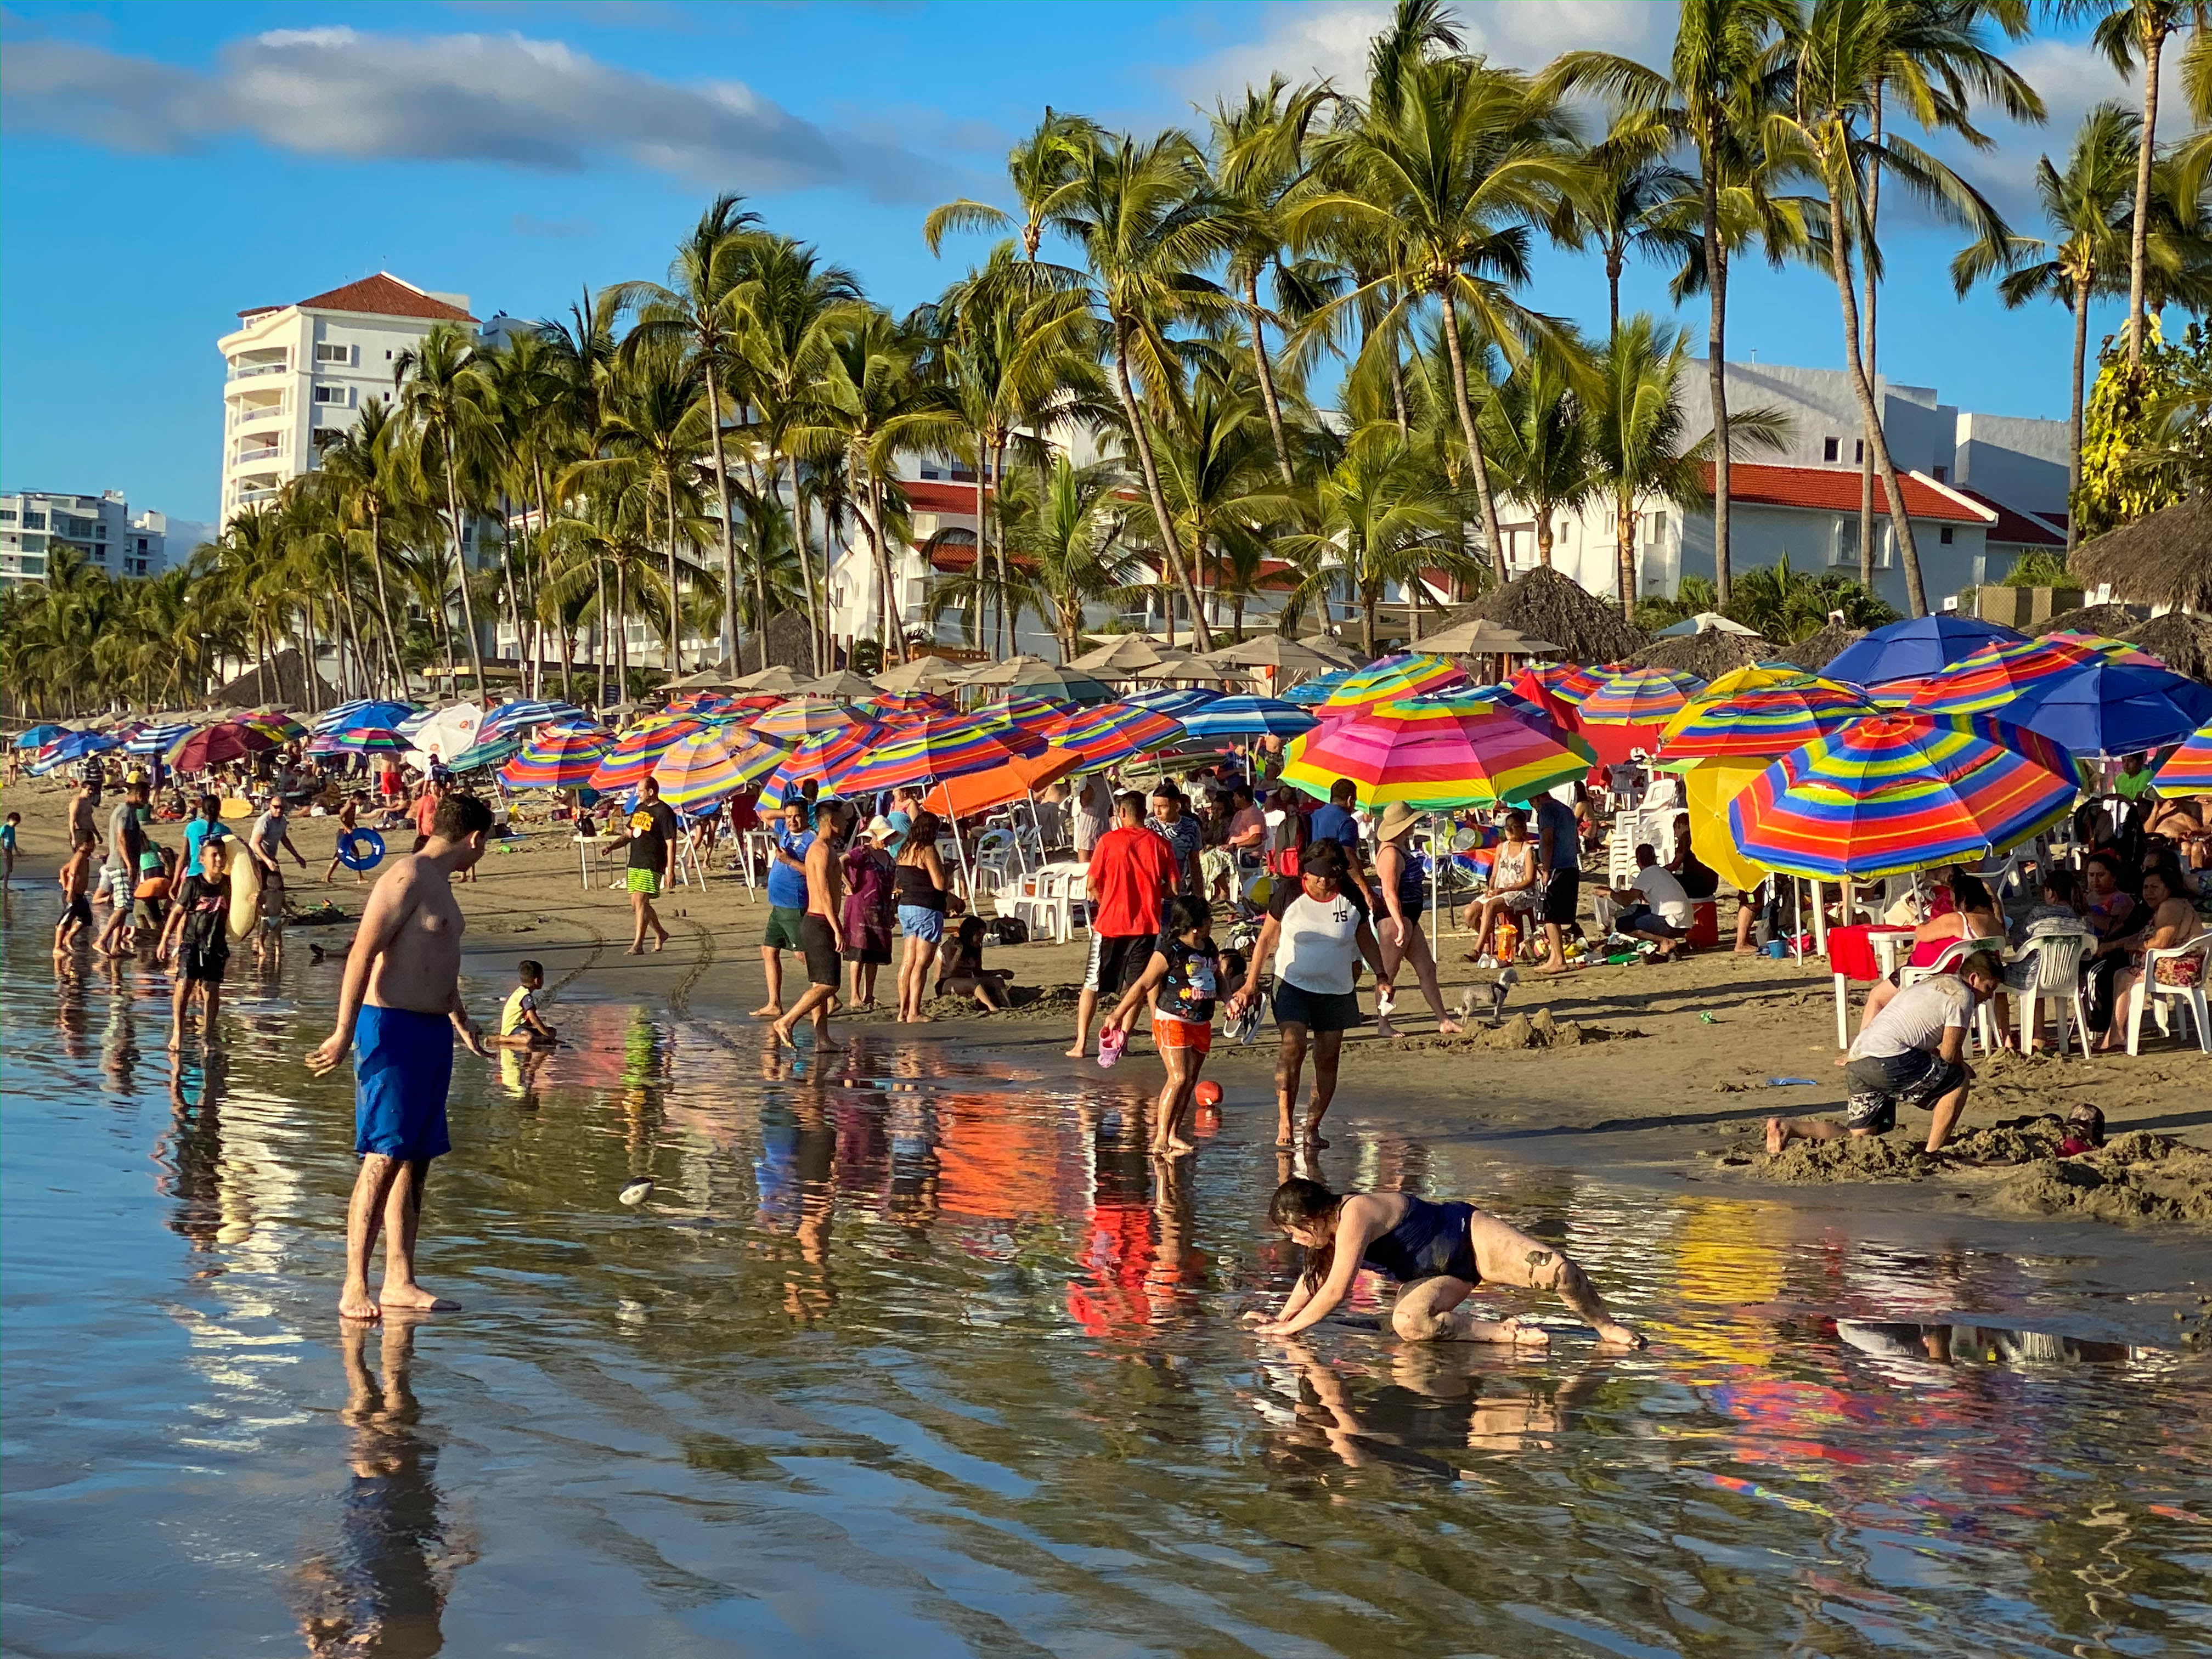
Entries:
{"x":1867,"y":1157}
{"x":1043,"y":1003}
{"x":1536,"y":1031}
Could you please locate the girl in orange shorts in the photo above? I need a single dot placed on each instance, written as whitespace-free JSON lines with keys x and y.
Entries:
{"x":1186,"y":970}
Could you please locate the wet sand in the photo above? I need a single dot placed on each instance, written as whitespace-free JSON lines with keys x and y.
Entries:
{"x":1656,"y":1072}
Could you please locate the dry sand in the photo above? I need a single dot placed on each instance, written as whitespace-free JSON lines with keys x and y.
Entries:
{"x":1655,"y":1070}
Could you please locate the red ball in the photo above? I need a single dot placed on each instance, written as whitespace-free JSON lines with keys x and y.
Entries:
{"x":1207,"y":1094}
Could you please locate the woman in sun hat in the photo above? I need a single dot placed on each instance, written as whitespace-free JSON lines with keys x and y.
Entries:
{"x":1404,"y":890}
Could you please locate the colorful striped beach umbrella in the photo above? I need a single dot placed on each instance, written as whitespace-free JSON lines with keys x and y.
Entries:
{"x":709,"y":767}
{"x":364,"y":711}
{"x":280,"y":727}
{"x":212,"y":745}
{"x":523,"y":716}
{"x":1922,"y":645}
{"x":2187,"y":770}
{"x":1405,"y":674}
{"x":40,"y":735}
{"x":705,"y":705}
{"x":1111,"y":732}
{"x":158,"y":740}
{"x":1534,"y":716}
{"x":364,"y":740}
{"x":1640,"y":696}
{"x":1246,"y":717}
{"x":1764,"y":723}
{"x":629,"y":759}
{"x":1892,"y":793}
{"x":820,"y":757}
{"x":892,"y":706}
{"x":1313,"y":693}
{"x":802,"y":717}
{"x":1019,"y":711}
{"x":1569,"y":682}
{"x":932,"y":751}
{"x":1433,"y":754}
{"x":1171,"y":699}
{"x":497,"y":752}
{"x":2111,"y":708}
{"x":1992,"y":677}
{"x":556,"y":760}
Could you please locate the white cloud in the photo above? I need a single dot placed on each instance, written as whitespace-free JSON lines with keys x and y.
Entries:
{"x":499,"y":98}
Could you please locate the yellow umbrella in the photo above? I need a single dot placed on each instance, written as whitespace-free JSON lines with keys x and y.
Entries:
{"x":1710,"y":786}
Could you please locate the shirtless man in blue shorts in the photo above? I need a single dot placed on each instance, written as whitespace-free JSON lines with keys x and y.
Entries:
{"x":398,"y":1009}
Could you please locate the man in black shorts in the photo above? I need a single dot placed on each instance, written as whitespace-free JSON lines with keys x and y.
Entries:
{"x":1559,"y":868}
{"x":821,"y":931}
{"x":1131,"y":873}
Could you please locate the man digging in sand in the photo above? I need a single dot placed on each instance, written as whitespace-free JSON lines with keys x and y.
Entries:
{"x":1912,"y":1051}
{"x":402,"y":992}
{"x":821,"y":930}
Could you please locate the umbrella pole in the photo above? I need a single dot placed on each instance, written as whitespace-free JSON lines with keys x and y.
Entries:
{"x":1819,"y":921}
{"x":959,"y":847}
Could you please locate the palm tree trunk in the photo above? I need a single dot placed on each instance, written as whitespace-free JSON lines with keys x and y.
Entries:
{"x":1367,"y":597}
{"x":1866,"y":461}
{"x":2153,"y":46}
{"x":622,"y":633}
{"x":2081,"y":303}
{"x":384,"y":602}
{"x":600,"y":628}
{"x":1716,"y":372}
{"x":805,"y":571}
{"x":1544,"y":538}
{"x":1266,"y":373}
{"x":1869,"y":417}
{"x":1624,"y":552}
{"x":730,"y":589}
{"x":760,"y":564}
{"x":1482,"y":492}
{"x":872,"y":522}
{"x":672,"y":658}
{"x":1398,"y":409}
{"x":461,"y":566}
{"x":1171,"y":551}
{"x":1613,"y":261}
{"x":507,"y":576}
{"x":1005,"y":577}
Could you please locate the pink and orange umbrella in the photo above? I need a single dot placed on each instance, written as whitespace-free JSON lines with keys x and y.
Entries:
{"x":1434,"y":754}
{"x":1762,"y":723}
{"x":556,"y":760}
{"x":1407,"y":674}
{"x":629,"y":760}
{"x":932,"y":751}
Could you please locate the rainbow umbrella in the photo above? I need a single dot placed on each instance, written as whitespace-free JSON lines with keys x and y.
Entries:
{"x":933,"y":751}
{"x":1913,"y":649}
{"x":821,"y":755}
{"x":364,"y":740}
{"x":212,"y":745}
{"x":909,"y":704}
{"x":1993,"y":675}
{"x":802,"y":717}
{"x":1537,"y":718}
{"x":1023,"y":713}
{"x":157,"y":740}
{"x":2106,"y":708}
{"x":1765,"y":723}
{"x":704,"y":705}
{"x":1640,"y":696}
{"x":708,"y":767}
{"x":629,"y":760}
{"x":1405,"y":674}
{"x":1244,"y":717}
{"x":1432,"y":754}
{"x":2187,"y":770}
{"x":556,"y":760}
{"x":1111,"y":732}
{"x":1569,"y":682}
{"x":1890,"y":793}
{"x":280,"y":727}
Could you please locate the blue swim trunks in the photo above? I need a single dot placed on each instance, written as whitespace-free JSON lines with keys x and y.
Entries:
{"x":401,"y":1064}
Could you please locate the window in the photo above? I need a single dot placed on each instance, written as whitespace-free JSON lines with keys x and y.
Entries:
{"x":1946,"y":537}
{"x":34,"y":520}
{"x":1858,"y":453}
{"x":1832,"y":448}
{"x":330,"y":394}
{"x":99,"y":531}
{"x":1655,"y":526}
{"x":341,"y":354}
{"x":6,"y":515}
{"x":1942,"y":474}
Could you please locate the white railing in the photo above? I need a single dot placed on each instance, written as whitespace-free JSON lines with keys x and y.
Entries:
{"x":267,"y":451}
{"x":249,"y":414}
{"x":247,"y":371}
{"x":253,"y":497}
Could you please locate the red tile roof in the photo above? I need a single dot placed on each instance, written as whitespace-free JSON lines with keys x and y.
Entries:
{"x":928,"y":495}
{"x":2012,"y":527}
{"x":1836,"y":490}
{"x":380,"y":296}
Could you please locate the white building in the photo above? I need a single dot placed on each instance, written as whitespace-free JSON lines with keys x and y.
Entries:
{"x":1980,"y":490}
{"x":298,"y":374}
{"x":36,"y":523}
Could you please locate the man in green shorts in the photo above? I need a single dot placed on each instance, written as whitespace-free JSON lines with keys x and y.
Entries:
{"x":787,"y":903}
{"x":652,"y":833}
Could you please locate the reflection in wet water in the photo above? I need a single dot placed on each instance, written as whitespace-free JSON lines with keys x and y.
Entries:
{"x":908,"y":1354}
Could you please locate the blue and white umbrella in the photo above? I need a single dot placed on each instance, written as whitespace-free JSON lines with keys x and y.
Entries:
{"x":1247,"y":717}
{"x":1171,"y":701}
{"x":40,"y":735}
{"x":520,"y":718}
{"x":363,"y":713}
{"x":159,"y":739}
{"x":1317,"y":688}
{"x":74,"y":745}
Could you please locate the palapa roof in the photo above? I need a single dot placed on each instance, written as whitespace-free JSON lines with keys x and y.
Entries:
{"x":1554,"y":607}
{"x":1708,"y":655}
{"x":2182,"y":641}
{"x":2163,"y":559}
{"x":2109,"y":620}
{"x":1816,"y":651}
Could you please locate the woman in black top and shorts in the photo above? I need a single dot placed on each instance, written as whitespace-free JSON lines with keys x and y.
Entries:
{"x":1405,"y":894}
{"x":918,"y":887}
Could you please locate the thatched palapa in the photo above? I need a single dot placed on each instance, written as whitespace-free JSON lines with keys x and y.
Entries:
{"x":2163,"y":559}
{"x":1552,"y":607}
{"x":1708,"y":655}
{"x":1816,"y":651}
{"x":283,"y":679}
{"x":2182,"y":641}
{"x":2108,"y":621}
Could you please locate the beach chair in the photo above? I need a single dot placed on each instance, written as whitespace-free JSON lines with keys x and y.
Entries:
{"x":2058,"y":982}
{"x":2191,"y":997}
{"x":998,"y":856}
{"x":1985,"y":1019}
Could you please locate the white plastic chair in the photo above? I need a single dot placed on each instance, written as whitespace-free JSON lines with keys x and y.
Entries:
{"x":2191,"y":997}
{"x":1985,"y":1019}
{"x":2058,"y":981}
{"x":997,"y":857}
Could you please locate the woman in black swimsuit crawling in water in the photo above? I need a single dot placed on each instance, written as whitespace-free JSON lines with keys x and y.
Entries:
{"x":1438,"y":1252}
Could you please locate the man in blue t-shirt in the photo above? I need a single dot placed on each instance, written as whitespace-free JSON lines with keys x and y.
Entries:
{"x":1335,"y":822}
{"x":786,"y":902}
{"x":1559,"y":871}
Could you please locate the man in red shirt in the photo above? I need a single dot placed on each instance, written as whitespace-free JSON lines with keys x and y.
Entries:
{"x":1131,"y":873}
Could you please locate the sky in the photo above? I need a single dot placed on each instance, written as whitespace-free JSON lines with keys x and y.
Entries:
{"x":163,"y":168}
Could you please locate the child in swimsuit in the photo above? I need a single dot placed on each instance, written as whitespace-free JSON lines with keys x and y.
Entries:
{"x":1186,"y":970}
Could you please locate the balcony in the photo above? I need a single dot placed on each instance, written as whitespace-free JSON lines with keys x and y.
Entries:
{"x":250,"y":371}
{"x":253,"y":497}
{"x":250,"y":413}
{"x":261,"y":452}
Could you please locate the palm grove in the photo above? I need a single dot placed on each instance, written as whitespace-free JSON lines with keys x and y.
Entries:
{"x":688,"y":457}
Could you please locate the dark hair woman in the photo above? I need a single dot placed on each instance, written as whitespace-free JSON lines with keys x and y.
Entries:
{"x":1438,"y":1252}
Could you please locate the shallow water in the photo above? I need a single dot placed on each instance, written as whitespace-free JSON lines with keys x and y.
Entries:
{"x":919,"y":1357}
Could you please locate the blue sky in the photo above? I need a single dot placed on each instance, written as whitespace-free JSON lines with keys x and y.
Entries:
{"x":164,"y":167}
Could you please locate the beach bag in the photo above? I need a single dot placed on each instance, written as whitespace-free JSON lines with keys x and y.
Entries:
{"x":1008,"y":930}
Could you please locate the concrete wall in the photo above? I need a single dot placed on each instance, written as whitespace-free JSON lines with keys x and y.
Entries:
{"x":2021,"y":463}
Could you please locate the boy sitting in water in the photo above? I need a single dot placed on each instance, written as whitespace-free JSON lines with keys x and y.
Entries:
{"x":521,"y":1024}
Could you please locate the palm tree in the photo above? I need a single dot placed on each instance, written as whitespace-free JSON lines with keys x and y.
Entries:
{"x":361,"y":468}
{"x":655,"y":419}
{"x":1447,"y":174}
{"x":445,"y":396}
{"x":696,"y":308}
{"x":1534,"y":434}
{"x":580,"y":360}
{"x":2132,"y":34}
{"x":1037,"y":166}
{"x":1638,"y":437}
{"x":1148,"y":226}
{"x":1717,"y":87}
{"x":1632,"y":205}
{"x":1213,"y":470}
{"x":1836,"y":54}
{"x":1384,"y":517}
